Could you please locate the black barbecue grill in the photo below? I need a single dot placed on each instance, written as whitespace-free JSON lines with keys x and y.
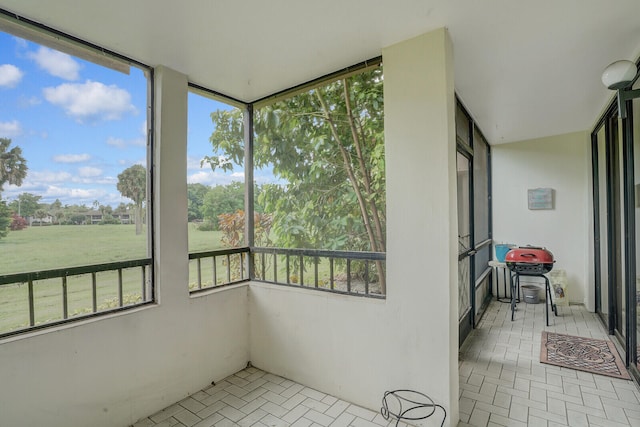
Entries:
{"x":530,"y":261}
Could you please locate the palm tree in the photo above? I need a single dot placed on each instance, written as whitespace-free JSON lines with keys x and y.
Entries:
{"x":132,"y":184}
{"x":13,"y":167}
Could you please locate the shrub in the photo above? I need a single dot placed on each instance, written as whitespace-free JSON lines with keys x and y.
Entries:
{"x":207,"y":226}
{"x":108,"y":219}
{"x":18,"y":222}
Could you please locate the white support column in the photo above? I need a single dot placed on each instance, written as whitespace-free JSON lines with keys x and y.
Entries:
{"x":422,"y":211}
{"x":170,"y":190}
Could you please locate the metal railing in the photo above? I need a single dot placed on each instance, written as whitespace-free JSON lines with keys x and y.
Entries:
{"x":62,"y":295}
{"x":218,"y":268}
{"x":46,"y":298}
{"x":344,"y":272}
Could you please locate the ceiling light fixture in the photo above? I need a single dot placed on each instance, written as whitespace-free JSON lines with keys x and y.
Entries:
{"x":619,"y":76}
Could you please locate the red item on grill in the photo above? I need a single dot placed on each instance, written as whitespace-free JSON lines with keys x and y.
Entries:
{"x":529,"y":260}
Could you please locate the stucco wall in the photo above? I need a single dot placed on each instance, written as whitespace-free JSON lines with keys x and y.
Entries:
{"x":358,"y":348}
{"x":114,"y":371}
{"x":559,"y":162}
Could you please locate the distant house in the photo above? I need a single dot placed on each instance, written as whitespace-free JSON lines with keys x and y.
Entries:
{"x":48,"y":220}
{"x":96,"y":217}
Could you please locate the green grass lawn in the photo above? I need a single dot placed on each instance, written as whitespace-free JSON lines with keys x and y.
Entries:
{"x":51,"y":247}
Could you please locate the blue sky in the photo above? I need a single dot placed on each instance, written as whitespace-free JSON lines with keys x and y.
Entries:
{"x":79,"y":125}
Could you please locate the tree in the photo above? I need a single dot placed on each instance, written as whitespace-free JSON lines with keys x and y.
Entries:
{"x":5,"y":219}
{"x":55,"y":209}
{"x":132,"y":184}
{"x":195,"y":198}
{"x":327,"y":146}
{"x":13,"y":167}
{"x":121,"y":209}
{"x":26,"y":205}
{"x":221,"y":199}
{"x":105,"y":209}
{"x":40,"y":214}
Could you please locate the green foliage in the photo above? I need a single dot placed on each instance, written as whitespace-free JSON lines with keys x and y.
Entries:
{"x":5,"y":219}
{"x":222,"y":200}
{"x":208,"y":226}
{"x":40,"y":214}
{"x":75,"y":219}
{"x":228,"y":139}
{"x":26,"y":205}
{"x":195,"y":198}
{"x":327,"y":145}
{"x":13,"y":167}
{"x":56,"y":210}
{"x":108,"y":219}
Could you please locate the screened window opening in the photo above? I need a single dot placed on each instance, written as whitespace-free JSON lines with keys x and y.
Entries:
{"x":319,"y":185}
{"x":74,"y":212}
{"x":215,"y":193}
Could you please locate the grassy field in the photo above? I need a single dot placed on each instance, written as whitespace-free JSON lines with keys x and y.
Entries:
{"x":45,"y":248}
{"x":51,"y":247}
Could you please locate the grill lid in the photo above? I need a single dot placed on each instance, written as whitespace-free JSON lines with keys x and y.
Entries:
{"x":529,"y":255}
{"x":530,"y":260}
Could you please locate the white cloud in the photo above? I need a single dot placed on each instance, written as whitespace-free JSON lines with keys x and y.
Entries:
{"x":10,"y":129}
{"x":206,"y":178}
{"x":209,"y":177}
{"x":90,"y":101}
{"x":40,"y":177}
{"x":10,"y":75}
{"x":89,"y":172}
{"x":56,"y":63}
{"x":71,"y":158}
{"x":78,"y":195}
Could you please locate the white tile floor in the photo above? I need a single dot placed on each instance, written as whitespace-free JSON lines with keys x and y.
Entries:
{"x":502,"y":383}
{"x":253,"y":397}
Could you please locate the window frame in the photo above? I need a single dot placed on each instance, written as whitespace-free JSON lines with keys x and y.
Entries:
{"x":43,"y":35}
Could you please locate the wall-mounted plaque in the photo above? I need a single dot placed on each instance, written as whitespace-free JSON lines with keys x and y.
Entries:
{"x":540,"y":198}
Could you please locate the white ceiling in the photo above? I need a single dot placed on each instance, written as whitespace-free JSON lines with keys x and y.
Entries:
{"x":524,"y":69}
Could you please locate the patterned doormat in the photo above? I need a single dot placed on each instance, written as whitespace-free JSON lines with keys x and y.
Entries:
{"x":582,"y":354}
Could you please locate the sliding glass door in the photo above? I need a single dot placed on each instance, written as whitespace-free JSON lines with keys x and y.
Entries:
{"x":474,"y":222}
{"x":615,"y":197}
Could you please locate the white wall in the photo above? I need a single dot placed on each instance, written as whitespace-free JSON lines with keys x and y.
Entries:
{"x":358,"y":348}
{"x":114,"y":371}
{"x":560,"y":162}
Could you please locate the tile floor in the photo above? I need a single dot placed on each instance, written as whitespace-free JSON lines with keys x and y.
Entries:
{"x":253,"y":397}
{"x":502,"y":383}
